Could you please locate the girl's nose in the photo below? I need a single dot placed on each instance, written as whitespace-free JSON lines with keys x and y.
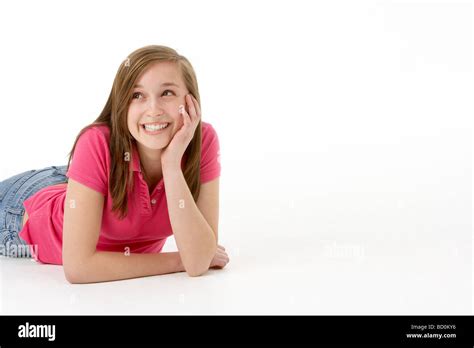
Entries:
{"x":155,"y":107}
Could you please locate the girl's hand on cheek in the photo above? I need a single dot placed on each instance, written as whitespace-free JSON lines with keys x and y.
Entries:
{"x":173,"y":153}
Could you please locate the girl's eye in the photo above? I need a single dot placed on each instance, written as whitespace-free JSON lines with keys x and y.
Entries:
{"x":168,"y":90}
{"x":138,"y":93}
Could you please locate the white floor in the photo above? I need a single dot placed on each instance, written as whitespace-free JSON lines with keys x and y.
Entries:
{"x":264,"y":276}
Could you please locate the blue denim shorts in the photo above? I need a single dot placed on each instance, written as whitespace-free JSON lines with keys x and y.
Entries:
{"x":13,"y":192}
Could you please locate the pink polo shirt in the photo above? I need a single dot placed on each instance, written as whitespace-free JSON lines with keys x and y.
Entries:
{"x":147,"y":225}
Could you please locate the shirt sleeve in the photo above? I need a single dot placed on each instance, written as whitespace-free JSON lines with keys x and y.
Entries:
{"x":89,"y":161}
{"x":210,"y":155}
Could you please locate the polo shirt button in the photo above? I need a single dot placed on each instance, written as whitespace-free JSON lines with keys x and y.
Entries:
{"x":153,"y":201}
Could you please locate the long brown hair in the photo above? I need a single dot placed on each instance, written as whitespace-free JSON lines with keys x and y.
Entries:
{"x":114,"y":115}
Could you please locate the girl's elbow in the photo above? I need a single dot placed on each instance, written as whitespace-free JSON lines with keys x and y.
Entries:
{"x":75,"y":274}
{"x":196,"y":270}
{"x":73,"y":277}
{"x":195,"y":273}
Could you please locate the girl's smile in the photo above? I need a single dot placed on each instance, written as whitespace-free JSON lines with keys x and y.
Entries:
{"x":155,"y":128}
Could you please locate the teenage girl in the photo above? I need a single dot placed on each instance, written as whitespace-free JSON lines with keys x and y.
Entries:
{"x":145,"y":169}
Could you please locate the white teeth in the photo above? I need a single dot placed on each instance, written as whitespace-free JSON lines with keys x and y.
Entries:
{"x":155,"y":127}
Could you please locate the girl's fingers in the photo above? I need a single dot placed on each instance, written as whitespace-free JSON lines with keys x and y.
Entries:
{"x":197,"y":110}
{"x":183,"y":112}
{"x":222,"y":257}
{"x":192,"y":109}
{"x":196,"y":106}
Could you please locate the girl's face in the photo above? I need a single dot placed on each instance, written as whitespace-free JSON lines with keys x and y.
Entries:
{"x":155,"y":100}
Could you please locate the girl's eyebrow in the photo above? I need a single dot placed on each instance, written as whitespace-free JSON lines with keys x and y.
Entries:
{"x":163,"y":84}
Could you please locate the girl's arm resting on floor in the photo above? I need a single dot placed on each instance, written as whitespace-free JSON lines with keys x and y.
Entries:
{"x":106,"y":266}
{"x":81,"y":228}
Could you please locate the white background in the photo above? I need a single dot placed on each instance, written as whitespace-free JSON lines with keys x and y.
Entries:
{"x":346,"y":148}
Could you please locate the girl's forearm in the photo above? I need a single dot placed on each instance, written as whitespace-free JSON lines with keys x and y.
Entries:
{"x":105,"y":266}
{"x":194,"y":237}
